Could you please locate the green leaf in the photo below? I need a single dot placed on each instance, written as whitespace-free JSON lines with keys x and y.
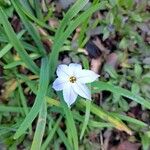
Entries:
{"x":111,"y":71}
{"x":16,"y":43}
{"x":51,"y":134}
{"x":64,"y":138}
{"x":31,"y":28}
{"x":9,"y":46}
{"x":71,"y":125}
{"x":40,"y":98}
{"x":40,"y":128}
{"x":98,"y":111}
{"x":30,"y":15}
{"x":129,"y":119}
{"x":86,"y":118}
{"x":73,"y":11}
{"x":100,"y":86}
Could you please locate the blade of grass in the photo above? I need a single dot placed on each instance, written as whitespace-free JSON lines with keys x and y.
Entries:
{"x":86,"y":118}
{"x":17,"y":62}
{"x":73,"y":11}
{"x":64,"y":138}
{"x":23,"y":99}
{"x":9,"y":46}
{"x":27,"y":5}
{"x":29,"y":15}
{"x":116,"y":122}
{"x":51,"y":134}
{"x":41,"y":93}
{"x":37,"y":6}
{"x":88,"y":104}
{"x":11,"y":109}
{"x":129,"y":119}
{"x":17,"y":44}
{"x":92,"y":123}
{"x":38,"y":137}
{"x":24,"y":104}
{"x":100,"y":86}
{"x":71,"y":125}
{"x":31,"y":29}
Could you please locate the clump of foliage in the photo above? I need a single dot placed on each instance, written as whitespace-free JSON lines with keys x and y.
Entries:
{"x":33,"y":116}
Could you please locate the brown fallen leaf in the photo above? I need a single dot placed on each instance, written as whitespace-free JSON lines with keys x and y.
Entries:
{"x":126,"y":145}
{"x":100,"y":45}
{"x":112,"y":60}
{"x":53,"y":22}
{"x":96,"y":64}
{"x":16,"y":24}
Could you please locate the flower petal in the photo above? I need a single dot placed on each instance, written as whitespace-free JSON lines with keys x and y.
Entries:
{"x":87,"y":76}
{"x":63,"y":71}
{"x":59,"y":84}
{"x":69,"y":95}
{"x":74,"y":67}
{"x":82,"y":90}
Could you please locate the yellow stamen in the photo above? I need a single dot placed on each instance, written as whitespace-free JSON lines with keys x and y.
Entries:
{"x":72,"y":79}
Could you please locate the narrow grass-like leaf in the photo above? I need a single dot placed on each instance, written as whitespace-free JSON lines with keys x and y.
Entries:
{"x":43,"y":85}
{"x":129,"y":119}
{"x":13,"y":64}
{"x":29,"y":47}
{"x":19,"y":62}
{"x":116,"y":122}
{"x":24,"y":104}
{"x":91,"y":123}
{"x":29,"y":15}
{"x":9,"y":46}
{"x":86,"y":118}
{"x":17,"y":44}
{"x":10,"y":109}
{"x":100,"y":86}
{"x":71,"y":125}
{"x":5,"y":50}
{"x":73,"y":11}
{"x":38,"y":137}
{"x":31,"y":29}
{"x":51,"y":134}
{"x":23,"y":100}
{"x":88,"y":103}
{"x":37,"y":6}
{"x":27,"y":5}
{"x":64,"y":138}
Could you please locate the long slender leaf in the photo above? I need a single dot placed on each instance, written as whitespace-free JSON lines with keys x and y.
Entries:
{"x":86,"y":118}
{"x":4,"y":108}
{"x":51,"y":134}
{"x":100,"y":86}
{"x":38,"y":137}
{"x":31,"y":29}
{"x":43,"y":85}
{"x":29,"y":15}
{"x":17,"y":44}
{"x":71,"y":125}
{"x":73,"y":11}
{"x":106,"y":116}
{"x":9,"y":46}
{"x":64,"y":138}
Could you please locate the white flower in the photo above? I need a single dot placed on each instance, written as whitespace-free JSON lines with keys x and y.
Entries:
{"x":72,"y":80}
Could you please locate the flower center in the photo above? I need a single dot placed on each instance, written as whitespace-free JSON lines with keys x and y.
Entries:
{"x":72,"y":79}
